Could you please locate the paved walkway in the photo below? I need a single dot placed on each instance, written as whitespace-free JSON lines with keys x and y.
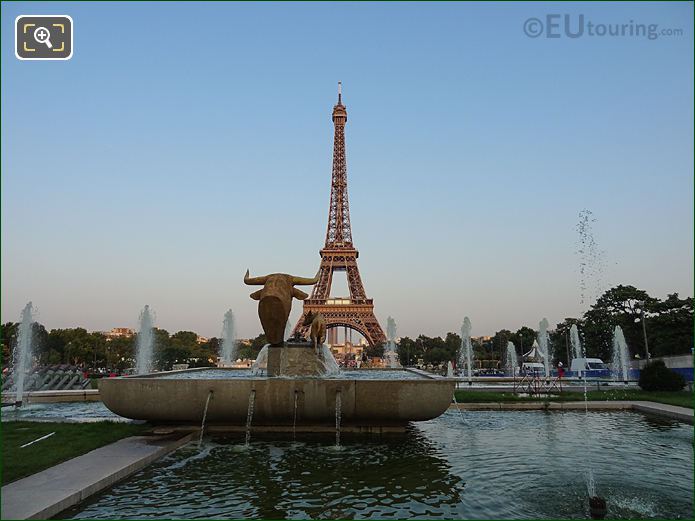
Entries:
{"x":672,"y":411}
{"x":49,"y":492}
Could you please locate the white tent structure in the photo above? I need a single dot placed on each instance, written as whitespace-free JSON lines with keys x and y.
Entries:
{"x":534,"y":354}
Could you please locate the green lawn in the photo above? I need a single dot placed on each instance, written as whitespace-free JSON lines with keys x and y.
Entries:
{"x":70,"y":440}
{"x":681,"y":398}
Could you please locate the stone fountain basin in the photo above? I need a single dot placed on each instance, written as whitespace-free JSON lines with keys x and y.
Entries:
{"x":363,"y":401}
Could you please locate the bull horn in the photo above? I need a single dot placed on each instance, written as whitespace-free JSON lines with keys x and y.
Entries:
{"x":303,"y":281}
{"x":254,"y":281}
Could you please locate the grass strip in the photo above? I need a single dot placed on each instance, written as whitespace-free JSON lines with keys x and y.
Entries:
{"x":70,"y":440}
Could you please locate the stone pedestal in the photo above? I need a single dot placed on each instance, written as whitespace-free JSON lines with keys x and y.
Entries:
{"x":295,"y":359}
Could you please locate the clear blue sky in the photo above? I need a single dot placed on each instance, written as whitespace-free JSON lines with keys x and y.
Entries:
{"x":185,"y":142}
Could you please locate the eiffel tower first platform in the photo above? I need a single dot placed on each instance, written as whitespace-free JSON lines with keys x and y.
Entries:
{"x":339,"y":254}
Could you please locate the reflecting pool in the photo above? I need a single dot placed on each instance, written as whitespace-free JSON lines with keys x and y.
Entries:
{"x":525,"y":464}
{"x":345,"y":374}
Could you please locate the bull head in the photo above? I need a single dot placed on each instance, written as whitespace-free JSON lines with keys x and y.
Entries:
{"x":275,"y":300}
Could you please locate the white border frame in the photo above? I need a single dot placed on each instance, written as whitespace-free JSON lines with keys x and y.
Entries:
{"x":72,"y":36}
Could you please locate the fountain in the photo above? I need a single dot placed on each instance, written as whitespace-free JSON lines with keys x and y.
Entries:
{"x":22,"y":354}
{"x":466,"y":349}
{"x":512,"y":361}
{"x":620,"y":366}
{"x":390,"y":355}
{"x":544,"y":346}
{"x":597,"y":504}
{"x":228,"y":351}
{"x":145,"y":342}
{"x":283,"y":372}
{"x":576,"y":344}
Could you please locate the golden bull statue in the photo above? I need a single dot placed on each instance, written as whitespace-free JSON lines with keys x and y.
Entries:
{"x":275,"y":301}
{"x":317,"y":328}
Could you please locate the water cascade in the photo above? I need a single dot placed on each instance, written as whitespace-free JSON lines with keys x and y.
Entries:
{"x":620,"y":366}
{"x":228,"y":351}
{"x":458,"y":408}
{"x":145,"y":342}
{"x":260,"y":364}
{"x":331,"y":367}
{"x":449,"y":369}
{"x":22,"y":355}
{"x":512,"y":361}
{"x":249,"y":416}
{"x":205,"y":415}
{"x":466,"y":349}
{"x":294,"y":416}
{"x":544,"y":346}
{"x":338,"y":413}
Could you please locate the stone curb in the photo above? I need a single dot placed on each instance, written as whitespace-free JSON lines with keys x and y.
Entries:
{"x":671,"y":411}
{"x":71,"y":395}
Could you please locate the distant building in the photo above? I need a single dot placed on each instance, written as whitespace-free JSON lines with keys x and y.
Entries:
{"x":348,"y":351}
{"x":119,"y":332}
{"x":201,"y":339}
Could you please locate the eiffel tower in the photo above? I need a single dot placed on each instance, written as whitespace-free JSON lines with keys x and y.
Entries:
{"x":339,"y":254}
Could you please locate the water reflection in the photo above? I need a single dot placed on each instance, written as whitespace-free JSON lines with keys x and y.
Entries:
{"x":495,"y":465}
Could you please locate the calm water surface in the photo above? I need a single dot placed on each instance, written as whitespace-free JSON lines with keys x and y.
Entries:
{"x":345,"y":374}
{"x":526,"y":464}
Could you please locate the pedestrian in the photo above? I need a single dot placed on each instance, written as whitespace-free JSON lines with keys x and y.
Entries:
{"x":560,"y":370}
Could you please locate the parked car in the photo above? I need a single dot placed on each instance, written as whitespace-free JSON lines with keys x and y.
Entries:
{"x":591,"y":366}
{"x":530,"y":368}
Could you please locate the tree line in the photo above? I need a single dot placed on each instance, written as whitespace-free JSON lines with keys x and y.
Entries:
{"x":669,"y":331}
{"x":669,"y":328}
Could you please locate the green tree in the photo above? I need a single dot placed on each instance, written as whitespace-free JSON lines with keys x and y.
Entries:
{"x":164,"y":355}
{"x":408,"y":351}
{"x":376,"y":350}
{"x":670,"y":326}
{"x":251,"y":351}
{"x":499,"y":343}
{"x":618,"y":306}
{"x":9,"y":336}
{"x":524,"y":336}
{"x":119,"y":353}
{"x":452,"y":344}
{"x":72,"y":346}
{"x":560,"y":339}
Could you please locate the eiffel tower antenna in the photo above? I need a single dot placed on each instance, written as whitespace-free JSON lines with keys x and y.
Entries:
{"x":339,"y":253}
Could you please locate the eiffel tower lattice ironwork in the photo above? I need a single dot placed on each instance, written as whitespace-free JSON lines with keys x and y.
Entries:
{"x":339,"y":254}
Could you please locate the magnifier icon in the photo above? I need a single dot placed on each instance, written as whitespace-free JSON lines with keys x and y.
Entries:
{"x":43,"y":35}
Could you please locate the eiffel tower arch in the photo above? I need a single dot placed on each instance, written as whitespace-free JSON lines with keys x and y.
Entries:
{"x":339,"y":254}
